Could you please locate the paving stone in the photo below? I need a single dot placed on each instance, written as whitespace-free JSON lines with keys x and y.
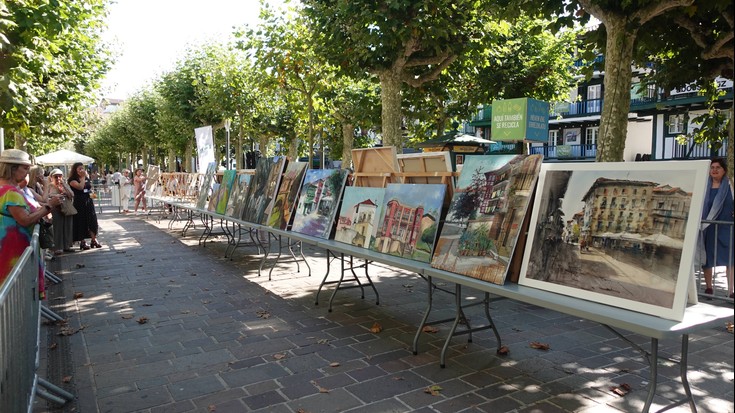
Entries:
{"x":199,"y":386}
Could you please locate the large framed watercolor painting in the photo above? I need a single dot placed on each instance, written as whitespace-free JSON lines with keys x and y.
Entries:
{"x":319,"y":202}
{"x":621,"y":234}
{"x":486,"y":215}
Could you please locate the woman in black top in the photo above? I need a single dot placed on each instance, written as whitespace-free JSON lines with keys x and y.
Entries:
{"x":85,"y":221}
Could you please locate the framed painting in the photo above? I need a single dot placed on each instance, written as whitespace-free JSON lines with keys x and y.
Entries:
{"x":206,"y":189}
{"x":318,"y":202}
{"x":486,"y":214}
{"x":225,"y":190}
{"x":213,"y":199}
{"x":262,"y":188}
{"x":282,"y":209}
{"x":621,"y":233}
{"x":356,"y":224}
{"x":409,"y":218}
{"x":237,"y":200}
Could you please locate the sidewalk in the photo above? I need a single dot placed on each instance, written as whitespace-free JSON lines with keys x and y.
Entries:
{"x":157,"y":323}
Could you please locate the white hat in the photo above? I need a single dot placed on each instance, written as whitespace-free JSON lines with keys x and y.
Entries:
{"x":56,"y":171}
{"x":15,"y":156}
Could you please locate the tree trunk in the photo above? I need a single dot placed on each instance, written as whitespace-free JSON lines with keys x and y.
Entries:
{"x":390,"y":97}
{"x":238,"y":151}
{"x":144,"y":154}
{"x":187,"y":156}
{"x":293,"y":147}
{"x":263,"y":141}
{"x":348,"y":137}
{"x":615,"y":108}
{"x":171,"y":160}
{"x":310,"y":132}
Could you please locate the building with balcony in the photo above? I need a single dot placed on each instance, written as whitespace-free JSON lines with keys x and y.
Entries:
{"x":655,"y":119}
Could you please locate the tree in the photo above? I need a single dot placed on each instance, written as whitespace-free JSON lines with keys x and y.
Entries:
{"x":694,"y":45}
{"x":51,"y":61}
{"x":400,"y":42}
{"x":512,"y":59}
{"x":622,"y":23}
{"x":282,"y":45}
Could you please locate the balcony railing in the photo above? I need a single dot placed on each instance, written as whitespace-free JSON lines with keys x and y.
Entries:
{"x":566,"y":151}
{"x":582,"y":108}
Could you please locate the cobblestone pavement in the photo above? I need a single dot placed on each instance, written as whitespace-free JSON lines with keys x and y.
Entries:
{"x":157,"y":323}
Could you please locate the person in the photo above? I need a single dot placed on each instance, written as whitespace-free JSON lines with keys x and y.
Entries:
{"x":37,"y":183}
{"x":85,"y":221}
{"x":139,"y":185}
{"x":718,"y":206}
{"x":63,"y":224}
{"x":17,"y":216}
{"x":126,"y":189}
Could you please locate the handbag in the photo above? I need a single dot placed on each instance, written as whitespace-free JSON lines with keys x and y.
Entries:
{"x":67,"y":207}
{"x":46,"y":235}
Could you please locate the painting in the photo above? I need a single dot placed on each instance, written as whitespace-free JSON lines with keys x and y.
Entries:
{"x":212,"y":204}
{"x":358,"y":217}
{"x":622,"y":234}
{"x":237,"y":201}
{"x":281,"y":212}
{"x":206,"y":189}
{"x":319,"y":201}
{"x":263,"y":188}
{"x":486,"y":214}
{"x":151,"y":184}
{"x":225,"y":190}
{"x":572,"y":136}
{"x":409,"y":218}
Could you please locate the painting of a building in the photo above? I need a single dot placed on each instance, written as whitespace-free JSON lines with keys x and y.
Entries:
{"x":318,"y":201}
{"x":485,"y":216}
{"x":357,"y":220}
{"x":408,"y":220}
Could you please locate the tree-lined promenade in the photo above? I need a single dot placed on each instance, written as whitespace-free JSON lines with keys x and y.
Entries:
{"x":324,"y":74}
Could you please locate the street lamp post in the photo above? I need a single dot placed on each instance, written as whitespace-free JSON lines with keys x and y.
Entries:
{"x":228,"y":123}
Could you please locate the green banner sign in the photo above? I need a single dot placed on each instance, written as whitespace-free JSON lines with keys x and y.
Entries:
{"x":522,"y":119}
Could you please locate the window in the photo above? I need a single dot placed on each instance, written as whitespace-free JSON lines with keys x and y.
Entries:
{"x":594,"y":92}
{"x":590,"y":135}
{"x":555,"y":138}
{"x":676,"y":123}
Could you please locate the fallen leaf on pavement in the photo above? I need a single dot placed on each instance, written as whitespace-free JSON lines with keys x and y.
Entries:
{"x":66,"y":379}
{"x":53,"y":346}
{"x":279,"y":356}
{"x":376,"y":328}
{"x":335,"y":364}
{"x":212,"y":408}
{"x":540,"y":346}
{"x":78,"y":295}
{"x":503,"y":351}
{"x":430,"y":329}
{"x":729,"y":326}
{"x":128,"y":316}
{"x":263,"y":314}
{"x":433,"y":390}
{"x":67,"y":331}
{"x":621,"y":390}
{"x":321,"y":389}
{"x":142,"y":320}
{"x":80,"y":265}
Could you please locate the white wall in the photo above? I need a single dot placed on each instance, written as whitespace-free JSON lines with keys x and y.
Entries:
{"x":638,"y":139}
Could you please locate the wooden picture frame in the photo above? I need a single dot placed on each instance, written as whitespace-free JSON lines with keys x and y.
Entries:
{"x":374,"y":167}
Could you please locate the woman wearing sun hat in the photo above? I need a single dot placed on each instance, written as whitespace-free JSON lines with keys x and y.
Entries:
{"x":17,"y":217}
{"x":63,"y":224}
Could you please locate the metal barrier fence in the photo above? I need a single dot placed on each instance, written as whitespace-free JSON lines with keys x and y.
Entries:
{"x":19,"y":332}
{"x":20,"y":324}
{"x":720,"y":282}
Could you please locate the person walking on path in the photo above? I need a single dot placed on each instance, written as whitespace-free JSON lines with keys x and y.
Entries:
{"x":85,"y":221}
{"x":139,"y":185}
{"x":63,"y":224}
{"x":718,"y":206}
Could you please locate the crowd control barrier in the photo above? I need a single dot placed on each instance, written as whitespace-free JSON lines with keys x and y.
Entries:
{"x":20,"y":310}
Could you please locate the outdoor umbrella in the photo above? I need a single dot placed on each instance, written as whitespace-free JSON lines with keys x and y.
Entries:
{"x":63,"y":157}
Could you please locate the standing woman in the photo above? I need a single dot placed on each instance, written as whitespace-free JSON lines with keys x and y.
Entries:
{"x":37,"y":183}
{"x":139,"y":185}
{"x":63,"y":224}
{"x":17,"y":216}
{"x":126,"y":190}
{"x":718,"y":206}
{"x":85,"y":221}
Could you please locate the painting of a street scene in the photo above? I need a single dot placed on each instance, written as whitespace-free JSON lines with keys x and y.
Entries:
{"x":237,"y":203}
{"x":358,"y":218}
{"x":280,"y":214}
{"x":409,"y":220}
{"x":319,"y":201}
{"x":225,"y":190}
{"x":621,"y":234}
{"x":206,"y":189}
{"x":262,"y":188}
{"x":485,"y":216}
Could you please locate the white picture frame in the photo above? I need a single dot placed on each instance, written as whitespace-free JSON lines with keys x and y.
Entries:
{"x":637,"y":235}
